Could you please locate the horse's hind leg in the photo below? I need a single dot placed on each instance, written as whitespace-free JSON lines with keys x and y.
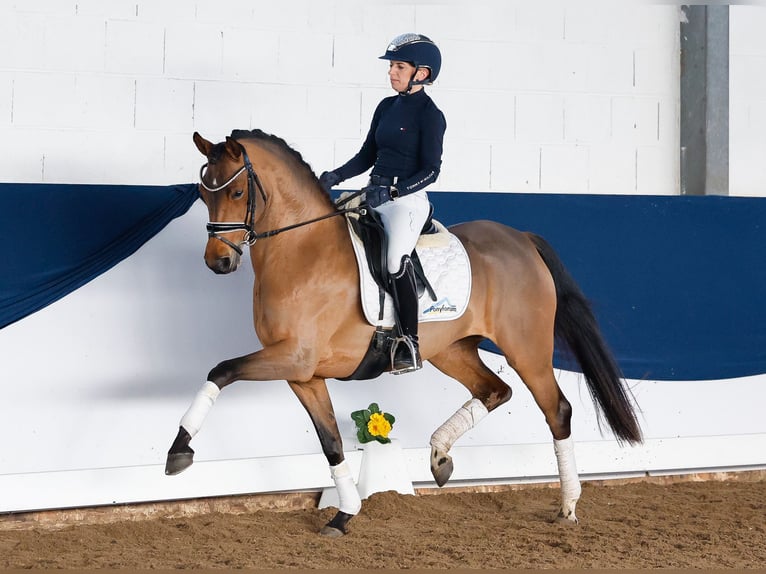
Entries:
{"x":558,"y":414}
{"x":461,"y":361}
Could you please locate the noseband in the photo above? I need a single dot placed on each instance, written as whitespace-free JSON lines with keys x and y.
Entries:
{"x":216,"y":228}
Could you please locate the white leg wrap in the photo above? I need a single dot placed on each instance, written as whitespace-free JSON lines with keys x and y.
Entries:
{"x":570,"y":482}
{"x":348,"y":496}
{"x":466,"y":417}
{"x":195,"y":416}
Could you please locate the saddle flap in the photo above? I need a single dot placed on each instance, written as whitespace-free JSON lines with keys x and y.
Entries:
{"x":444,"y":263}
{"x":369,"y":229}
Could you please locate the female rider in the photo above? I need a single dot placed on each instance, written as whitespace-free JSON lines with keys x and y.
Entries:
{"x":404,"y":149}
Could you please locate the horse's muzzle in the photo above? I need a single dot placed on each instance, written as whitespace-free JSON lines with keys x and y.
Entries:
{"x":223,"y":265}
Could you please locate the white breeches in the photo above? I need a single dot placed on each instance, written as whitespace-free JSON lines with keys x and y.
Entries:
{"x":403,"y":220}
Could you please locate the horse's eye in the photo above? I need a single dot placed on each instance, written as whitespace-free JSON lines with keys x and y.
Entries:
{"x":237,"y":194}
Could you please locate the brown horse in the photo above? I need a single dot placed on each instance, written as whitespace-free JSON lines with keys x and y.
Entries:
{"x":308,"y":317}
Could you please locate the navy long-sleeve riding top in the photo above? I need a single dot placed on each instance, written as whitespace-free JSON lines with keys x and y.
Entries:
{"x":405,"y":141}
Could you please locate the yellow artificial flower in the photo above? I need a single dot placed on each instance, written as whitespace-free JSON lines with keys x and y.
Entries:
{"x":378,"y":425}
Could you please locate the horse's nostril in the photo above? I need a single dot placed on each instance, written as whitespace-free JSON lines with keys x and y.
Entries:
{"x":221,"y":265}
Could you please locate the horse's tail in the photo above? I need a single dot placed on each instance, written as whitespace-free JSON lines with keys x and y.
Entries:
{"x":577,"y":328}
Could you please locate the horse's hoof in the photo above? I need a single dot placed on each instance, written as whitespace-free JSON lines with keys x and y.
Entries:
{"x":567,"y":518}
{"x":331,"y":532}
{"x":441,"y":466}
{"x":337,"y":527}
{"x":178,"y":462}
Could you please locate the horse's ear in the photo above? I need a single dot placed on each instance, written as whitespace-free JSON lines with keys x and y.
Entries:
{"x":202,"y":144}
{"x":233,"y":148}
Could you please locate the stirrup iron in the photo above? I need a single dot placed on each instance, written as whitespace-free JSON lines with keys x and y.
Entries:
{"x":408,"y":364}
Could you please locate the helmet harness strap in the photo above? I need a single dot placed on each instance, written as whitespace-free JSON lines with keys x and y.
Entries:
{"x":413,"y":82}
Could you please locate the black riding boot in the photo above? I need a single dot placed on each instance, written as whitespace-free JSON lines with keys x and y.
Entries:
{"x":405,"y":353}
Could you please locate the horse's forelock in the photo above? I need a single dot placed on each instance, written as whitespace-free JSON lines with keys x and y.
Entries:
{"x":214,"y":156}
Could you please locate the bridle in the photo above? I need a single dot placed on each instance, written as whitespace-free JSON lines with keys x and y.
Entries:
{"x":216,"y":228}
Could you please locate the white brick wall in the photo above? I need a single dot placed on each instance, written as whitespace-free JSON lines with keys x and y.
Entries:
{"x":747,"y":101}
{"x":121,"y":55}
{"x":548,"y":97}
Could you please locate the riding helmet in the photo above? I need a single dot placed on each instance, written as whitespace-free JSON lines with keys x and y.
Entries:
{"x":418,"y":50}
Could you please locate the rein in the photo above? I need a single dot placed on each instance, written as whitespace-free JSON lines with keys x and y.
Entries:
{"x":216,"y":228}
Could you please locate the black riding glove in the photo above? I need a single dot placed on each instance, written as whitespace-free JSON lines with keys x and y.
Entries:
{"x":376,"y":195}
{"x":328,"y":179}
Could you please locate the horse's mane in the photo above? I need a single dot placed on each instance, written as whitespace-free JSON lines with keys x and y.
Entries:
{"x":284,"y":147}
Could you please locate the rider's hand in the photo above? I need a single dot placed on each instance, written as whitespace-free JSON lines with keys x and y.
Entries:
{"x":328,"y":179}
{"x":376,"y":195}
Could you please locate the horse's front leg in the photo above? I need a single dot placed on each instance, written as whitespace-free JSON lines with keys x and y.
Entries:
{"x":314,"y":397}
{"x":287,"y":360}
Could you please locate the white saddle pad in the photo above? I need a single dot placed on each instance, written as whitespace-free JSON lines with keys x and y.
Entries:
{"x":446,"y":265}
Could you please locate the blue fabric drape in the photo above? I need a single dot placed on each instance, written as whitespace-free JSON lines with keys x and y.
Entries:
{"x":678,"y":283}
{"x":55,"y":238}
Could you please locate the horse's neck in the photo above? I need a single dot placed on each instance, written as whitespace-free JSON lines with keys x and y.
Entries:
{"x":292,"y":199}
{"x":290,"y":195}
{"x":292,"y":203}
{"x":288,"y":205}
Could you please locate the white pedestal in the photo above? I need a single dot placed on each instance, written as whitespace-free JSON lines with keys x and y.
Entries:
{"x":383,"y":468}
